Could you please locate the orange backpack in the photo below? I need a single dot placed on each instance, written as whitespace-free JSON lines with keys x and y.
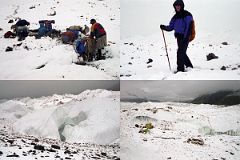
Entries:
{"x":193,"y":32}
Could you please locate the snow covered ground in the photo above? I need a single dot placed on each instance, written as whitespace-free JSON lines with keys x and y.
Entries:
{"x":141,"y":40}
{"x":82,"y":126}
{"x":180,"y":131}
{"x":57,"y":58}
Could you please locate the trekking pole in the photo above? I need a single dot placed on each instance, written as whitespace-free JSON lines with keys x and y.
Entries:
{"x":166,"y":50}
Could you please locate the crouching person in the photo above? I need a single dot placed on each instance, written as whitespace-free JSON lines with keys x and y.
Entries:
{"x":22,"y":29}
{"x":81,"y":49}
{"x":98,"y":33}
{"x":45,"y":28}
{"x":68,"y":37}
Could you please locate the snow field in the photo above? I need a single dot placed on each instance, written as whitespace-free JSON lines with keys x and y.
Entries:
{"x":176,"y":123}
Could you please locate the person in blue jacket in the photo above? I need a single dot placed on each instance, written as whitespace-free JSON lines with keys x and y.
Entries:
{"x":181,"y":24}
{"x":45,"y":28}
{"x":42,"y":29}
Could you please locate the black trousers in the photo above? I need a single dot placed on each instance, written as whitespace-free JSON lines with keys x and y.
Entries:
{"x":182,"y":58}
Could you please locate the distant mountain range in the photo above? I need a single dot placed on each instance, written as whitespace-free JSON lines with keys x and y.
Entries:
{"x":226,"y":98}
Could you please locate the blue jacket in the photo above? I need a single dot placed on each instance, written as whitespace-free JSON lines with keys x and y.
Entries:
{"x":180,"y":23}
{"x":42,"y":30}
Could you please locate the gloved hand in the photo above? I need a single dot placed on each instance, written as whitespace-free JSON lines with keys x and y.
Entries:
{"x":162,"y":27}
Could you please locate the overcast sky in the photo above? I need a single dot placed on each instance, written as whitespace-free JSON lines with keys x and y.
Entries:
{"x":173,"y":90}
{"x":14,"y":89}
{"x":143,"y":17}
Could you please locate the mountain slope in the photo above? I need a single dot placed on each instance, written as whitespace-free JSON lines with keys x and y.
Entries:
{"x":219,"y":98}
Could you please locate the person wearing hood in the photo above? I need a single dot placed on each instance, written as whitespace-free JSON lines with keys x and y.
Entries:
{"x":181,"y":24}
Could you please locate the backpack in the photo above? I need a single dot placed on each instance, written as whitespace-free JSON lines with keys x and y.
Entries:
{"x":81,"y":47}
{"x":193,"y":32}
{"x":9,"y":34}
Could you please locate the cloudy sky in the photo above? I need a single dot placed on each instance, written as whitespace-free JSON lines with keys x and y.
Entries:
{"x":143,"y":17}
{"x":13,"y":89}
{"x":172,"y":90}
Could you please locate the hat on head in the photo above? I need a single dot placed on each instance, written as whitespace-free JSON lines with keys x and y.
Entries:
{"x":92,"y":21}
{"x":180,"y":3}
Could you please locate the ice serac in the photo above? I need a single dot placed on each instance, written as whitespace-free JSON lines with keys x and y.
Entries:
{"x":92,"y":117}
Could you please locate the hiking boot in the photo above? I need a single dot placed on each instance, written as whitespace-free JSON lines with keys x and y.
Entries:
{"x":175,"y":72}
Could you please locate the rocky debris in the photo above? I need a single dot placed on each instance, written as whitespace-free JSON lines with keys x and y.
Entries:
{"x":103,"y":154}
{"x":128,"y":75}
{"x":136,"y":125}
{"x":231,"y":153}
{"x":146,"y":118}
{"x":52,"y":14}
{"x":116,"y":158}
{"x":10,"y":21}
{"x":51,"y":150}
{"x":41,"y":66}
{"x":55,"y":146}
{"x":154,"y":110}
{"x":57,"y":156}
{"x":26,"y":47}
{"x":10,"y":141}
{"x":149,"y":66}
{"x":225,"y":43}
{"x":17,"y":45}
{"x":67,"y":152}
{"x":130,"y":63}
{"x":1,"y":29}
{"x":39,"y":147}
{"x":211,"y":56}
{"x":47,"y":147}
{"x":32,"y":143}
{"x":13,"y":155}
{"x":32,"y":7}
{"x":197,"y":141}
{"x":8,"y":49}
{"x":149,"y":61}
{"x":223,"y":68}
